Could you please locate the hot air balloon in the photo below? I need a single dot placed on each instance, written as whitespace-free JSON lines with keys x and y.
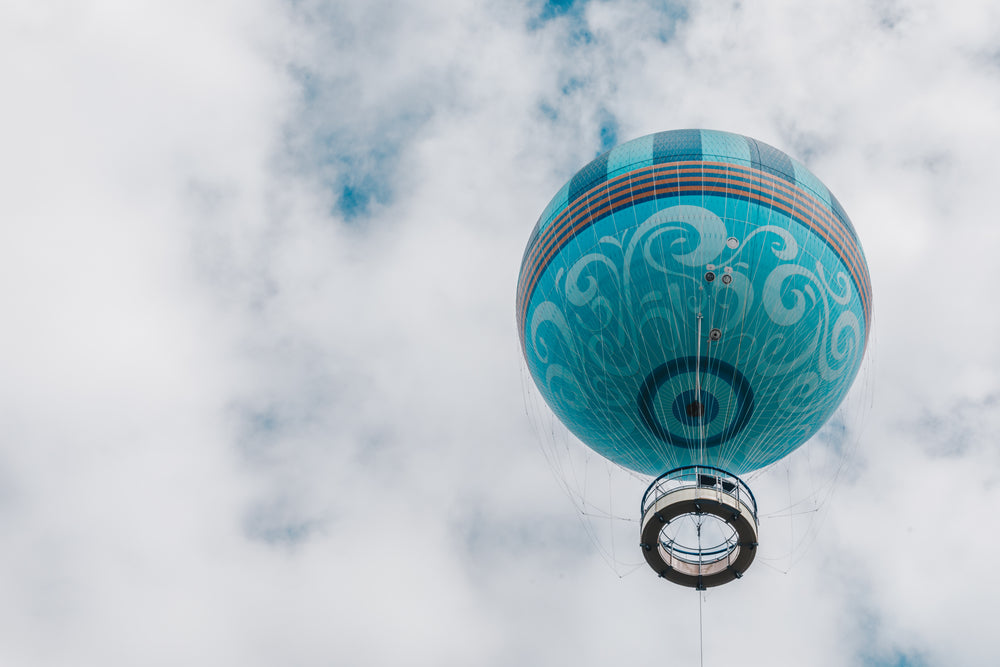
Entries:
{"x":693,"y":305}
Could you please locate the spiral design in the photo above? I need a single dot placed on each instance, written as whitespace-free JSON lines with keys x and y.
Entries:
{"x":687,"y":418}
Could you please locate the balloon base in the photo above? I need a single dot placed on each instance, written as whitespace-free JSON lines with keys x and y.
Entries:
{"x":699,"y":526}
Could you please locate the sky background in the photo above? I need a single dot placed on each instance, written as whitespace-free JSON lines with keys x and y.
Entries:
{"x":261,"y":394}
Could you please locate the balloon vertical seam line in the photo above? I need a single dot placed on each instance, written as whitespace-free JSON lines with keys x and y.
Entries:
{"x":571,"y":226}
{"x":651,"y":174}
{"x":554,"y":235}
{"x":576,"y":225}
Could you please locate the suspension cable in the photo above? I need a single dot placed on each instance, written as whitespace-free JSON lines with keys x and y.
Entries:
{"x":697,"y":397}
{"x":701,"y":636}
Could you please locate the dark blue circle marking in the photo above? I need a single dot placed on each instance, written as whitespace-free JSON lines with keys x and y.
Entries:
{"x":692,"y":410}
{"x":682,"y":365}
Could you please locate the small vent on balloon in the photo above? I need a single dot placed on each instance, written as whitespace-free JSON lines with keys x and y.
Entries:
{"x":726,"y":279}
{"x":710,"y":276}
{"x":715,"y":334}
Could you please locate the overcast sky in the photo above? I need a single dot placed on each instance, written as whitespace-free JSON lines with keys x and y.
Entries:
{"x":262,"y":396}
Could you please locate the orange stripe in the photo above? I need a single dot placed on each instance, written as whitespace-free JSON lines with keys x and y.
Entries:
{"x":835,"y":226}
{"x":749,"y":185}
{"x":860,"y":280}
{"x":835,"y":232}
{"x":618,"y":184}
{"x":698,"y":167}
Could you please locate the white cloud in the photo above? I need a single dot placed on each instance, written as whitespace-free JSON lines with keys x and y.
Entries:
{"x":248,"y":423}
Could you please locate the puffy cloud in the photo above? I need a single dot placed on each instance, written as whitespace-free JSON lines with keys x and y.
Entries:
{"x":262,"y":388}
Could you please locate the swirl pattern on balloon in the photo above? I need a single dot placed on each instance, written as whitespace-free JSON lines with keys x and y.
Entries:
{"x":618,"y":297}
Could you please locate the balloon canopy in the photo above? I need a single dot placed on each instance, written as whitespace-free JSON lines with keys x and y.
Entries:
{"x":693,"y":297}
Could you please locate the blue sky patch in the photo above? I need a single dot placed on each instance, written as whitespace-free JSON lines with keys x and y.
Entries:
{"x":897,"y":659}
{"x":362,"y":184}
{"x":608,"y":130}
{"x":276,"y":524}
{"x":676,"y":13}
{"x":553,"y":8}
